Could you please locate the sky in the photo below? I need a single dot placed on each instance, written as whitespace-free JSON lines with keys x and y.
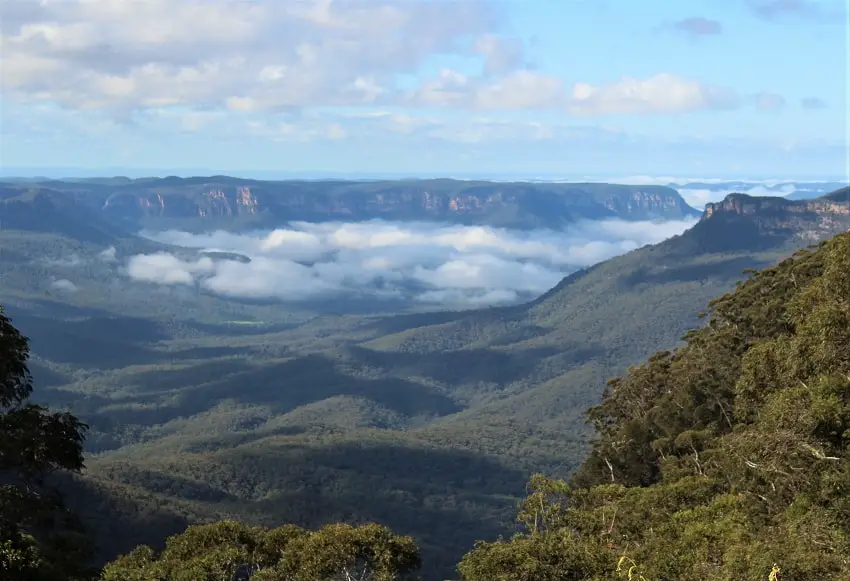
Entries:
{"x":421,"y":264}
{"x":716,"y":88}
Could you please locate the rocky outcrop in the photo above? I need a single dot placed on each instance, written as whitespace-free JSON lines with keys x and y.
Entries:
{"x":811,"y":219}
{"x":747,"y":205}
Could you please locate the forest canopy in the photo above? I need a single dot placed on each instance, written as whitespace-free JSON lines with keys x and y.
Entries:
{"x":725,"y":459}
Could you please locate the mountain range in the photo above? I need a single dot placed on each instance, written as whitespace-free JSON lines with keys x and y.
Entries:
{"x":792,"y":190}
{"x":202,"y":408}
{"x":233,"y":202}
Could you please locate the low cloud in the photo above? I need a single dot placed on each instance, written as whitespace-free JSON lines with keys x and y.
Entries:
{"x":699,"y":197}
{"x":461,"y":266}
{"x":108,"y":255}
{"x":63,"y":284}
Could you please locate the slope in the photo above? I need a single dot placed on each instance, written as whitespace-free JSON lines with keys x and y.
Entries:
{"x":727,"y":458}
{"x":37,"y":209}
{"x":429,"y":423}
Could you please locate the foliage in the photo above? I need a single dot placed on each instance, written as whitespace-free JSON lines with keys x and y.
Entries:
{"x":205,"y":409}
{"x":726,"y":459}
{"x":217,"y":552}
{"x":39,"y":539}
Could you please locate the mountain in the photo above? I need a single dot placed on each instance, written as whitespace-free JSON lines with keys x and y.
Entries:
{"x":431,"y":423}
{"x":726,"y":458}
{"x":815,"y":190}
{"x":234,"y":202}
{"x":37,"y":209}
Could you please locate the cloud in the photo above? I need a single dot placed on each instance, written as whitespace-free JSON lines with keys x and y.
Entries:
{"x":167,"y":269}
{"x":501,"y":55}
{"x":698,"y":26}
{"x":108,"y":255}
{"x":63,"y":284}
{"x":699,"y":197}
{"x":449,"y":265}
{"x":194,"y":62}
{"x":661,"y":93}
{"x":813,"y":103}
{"x":110,"y":54}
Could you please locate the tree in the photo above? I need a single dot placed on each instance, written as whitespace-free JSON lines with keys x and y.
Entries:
{"x":225,"y":550}
{"x":40,"y":540}
{"x":726,"y":459}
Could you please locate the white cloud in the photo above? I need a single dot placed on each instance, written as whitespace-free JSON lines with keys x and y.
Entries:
{"x":108,"y":255}
{"x":240,"y":58}
{"x":500,"y":54}
{"x":167,"y":269}
{"x":662,"y":93}
{"x":524,"y":89}
{"x":452,"y":265}
{"x":112,"y":54}
{"x":699,"y":197}
{"x":63,"y":284}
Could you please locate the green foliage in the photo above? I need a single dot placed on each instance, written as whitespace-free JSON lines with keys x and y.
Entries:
{"x":203,"y":409}
{"x":216,"y":552}
{"x":727,"y":459}
{"x":39,"y":539}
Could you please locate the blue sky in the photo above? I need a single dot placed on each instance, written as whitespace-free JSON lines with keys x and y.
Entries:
{"x":712,"y":88}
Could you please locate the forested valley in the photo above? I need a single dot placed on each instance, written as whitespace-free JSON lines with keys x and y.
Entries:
{"x":725,"y":458}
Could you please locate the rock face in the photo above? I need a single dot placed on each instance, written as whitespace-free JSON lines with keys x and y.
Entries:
{"x":518,"y":205}
{"x":811,"y":219}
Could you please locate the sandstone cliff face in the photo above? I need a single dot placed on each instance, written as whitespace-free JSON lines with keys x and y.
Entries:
{"x":213,"y":202}
{"x":244,"y":202}
{"x":227,"y":203}
{"x":297,"y":201}
{"x":812,"y":219}
{"x":646,"y":202}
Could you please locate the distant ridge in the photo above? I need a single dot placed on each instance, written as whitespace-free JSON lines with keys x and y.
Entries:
{"x":233,"y":202}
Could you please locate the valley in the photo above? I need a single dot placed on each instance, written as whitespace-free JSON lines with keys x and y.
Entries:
{"x":204,"y":407}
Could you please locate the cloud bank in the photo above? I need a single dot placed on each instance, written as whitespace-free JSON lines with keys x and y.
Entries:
{"x":460,"y":266}
{"x":698,"y":197}
{"x":210,"y":57}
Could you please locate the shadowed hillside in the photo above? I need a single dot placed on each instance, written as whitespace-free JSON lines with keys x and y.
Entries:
{"x":201,"y":408}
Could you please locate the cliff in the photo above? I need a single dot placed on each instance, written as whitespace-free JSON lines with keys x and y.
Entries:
{"x":233,"y":200}
{"x":810,"y":219}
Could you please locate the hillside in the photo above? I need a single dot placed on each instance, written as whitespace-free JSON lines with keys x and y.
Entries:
{"x":203,"y":408}
{"x":222,"y":201}
{"x":725,"y":458}
{"x":35,"y":209}
{"x":728,"y":458}
{"x":429,"y":423}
